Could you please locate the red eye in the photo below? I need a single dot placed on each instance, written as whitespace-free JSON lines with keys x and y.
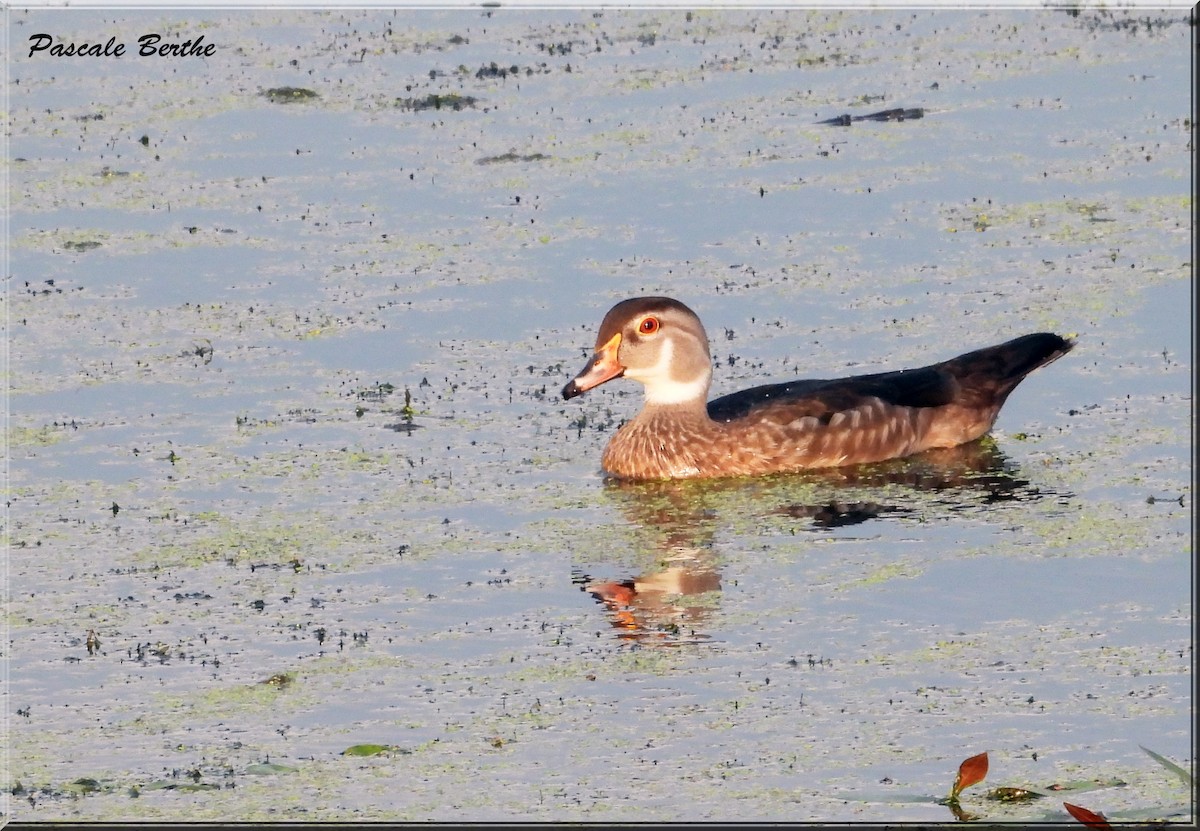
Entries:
{"x":649,"y":326}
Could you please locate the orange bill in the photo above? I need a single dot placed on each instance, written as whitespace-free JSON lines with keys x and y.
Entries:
{"x":602,"y":367}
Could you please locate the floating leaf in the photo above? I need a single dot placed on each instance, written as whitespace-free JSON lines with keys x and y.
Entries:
{"x":84,"y":785}
{"x":367,"y":749}
{"x":970,"y":772}
{"x":1086,"y":785}
{"x":266,"y":768}
{"x":174,"y":785}
{"x":1171,"y":766}
{"x":1088,"y":818}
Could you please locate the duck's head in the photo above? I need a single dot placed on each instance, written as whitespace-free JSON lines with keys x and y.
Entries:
{"x":657,"y":341}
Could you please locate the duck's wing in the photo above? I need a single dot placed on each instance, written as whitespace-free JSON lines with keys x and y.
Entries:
{"x":978,"y":380}
{"x":821,"y":399}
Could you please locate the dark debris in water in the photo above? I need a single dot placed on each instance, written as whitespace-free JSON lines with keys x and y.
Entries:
{"x":494,"y":70}
{"x":294,"y":564}
{"x":202,"y":349}
{"x":376,"y":392}
{"x":1107,"y":20}
{"x":511,"y":156}
{"x":562,"y":47}
{"x":437,"y":101}
{"x":896,"y":114}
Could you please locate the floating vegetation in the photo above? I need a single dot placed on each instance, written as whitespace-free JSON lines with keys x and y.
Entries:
{"x":185,"y":787}
{"x":974,"y":769}
{"x":269,"y":769}
{"x":971,"y":772}
{"x":407,"y":413}
{"x":512,"y":156}
{"x":437,"y":101}
{"x":288,"y":95}
{"x":494,"y":70}
{"x":202,"y":349}
{"x":1089,"y":818}
{"x":82,"y":786}
{"x":1013,"y":795}
{"x":1184,"y":776}
{"x":376,"y":392}
{"x":35,"y":436}
{"x":1104,"y":20}
{"x":370,"y":750}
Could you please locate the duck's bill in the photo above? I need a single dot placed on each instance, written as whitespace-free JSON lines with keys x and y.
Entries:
{"x":602,"y":367}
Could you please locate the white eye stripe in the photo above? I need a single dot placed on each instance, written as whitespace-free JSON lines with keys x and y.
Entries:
{"x":660,"y":371}
{"x":662,"y":387}
{"x":665,"y":357}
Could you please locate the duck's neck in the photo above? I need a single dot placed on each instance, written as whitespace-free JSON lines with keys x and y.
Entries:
{"x":685,"y":396}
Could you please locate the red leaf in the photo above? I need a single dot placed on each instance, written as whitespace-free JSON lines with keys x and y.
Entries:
{"x":970,"y":772}
{"x":1088,"y":818}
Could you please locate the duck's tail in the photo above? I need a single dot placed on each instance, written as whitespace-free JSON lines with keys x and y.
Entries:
{"x":987,"y":376}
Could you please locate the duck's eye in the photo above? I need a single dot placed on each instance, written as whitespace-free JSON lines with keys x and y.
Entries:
{"x":649,"y":326}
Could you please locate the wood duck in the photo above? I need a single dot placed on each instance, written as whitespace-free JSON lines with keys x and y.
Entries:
{"x":792,"y":426}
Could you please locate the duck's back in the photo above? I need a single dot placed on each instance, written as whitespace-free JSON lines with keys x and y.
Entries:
{"x":983,"y":379}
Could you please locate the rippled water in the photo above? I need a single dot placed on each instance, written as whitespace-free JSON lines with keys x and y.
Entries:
{"x":217,"y":304}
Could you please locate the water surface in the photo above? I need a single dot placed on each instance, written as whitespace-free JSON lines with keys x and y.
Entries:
{"x":217,"y":304}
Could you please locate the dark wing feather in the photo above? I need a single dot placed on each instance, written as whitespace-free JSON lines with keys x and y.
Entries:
{"x":982,"y":378}
{"x":925,"y":387}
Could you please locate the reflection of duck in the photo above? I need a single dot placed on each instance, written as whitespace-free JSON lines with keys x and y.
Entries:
{"x":793,"y":426}
{"x":964,"y":476}
{"x":670,"y":603}
{"x":666,"y":605}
